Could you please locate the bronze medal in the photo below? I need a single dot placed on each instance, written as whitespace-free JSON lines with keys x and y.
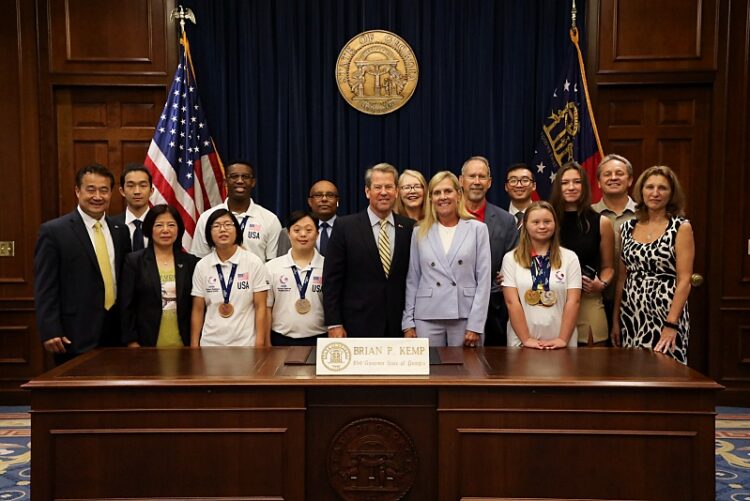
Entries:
{"x":302,"y":306}
{"x":549,"y":298}
{"x":226,"y":310}
{"x":531,"y":297}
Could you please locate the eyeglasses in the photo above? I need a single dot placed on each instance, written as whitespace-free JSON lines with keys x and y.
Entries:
{"x":477,"y":177}
{"x":322,"y":195}
{"x":411,"y":187}
{"x":520,"y":181}
{"x":236,"y":177}
{"x":222,"y":226}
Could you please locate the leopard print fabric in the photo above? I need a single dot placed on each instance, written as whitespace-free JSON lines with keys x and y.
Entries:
{"x":649,"y":289}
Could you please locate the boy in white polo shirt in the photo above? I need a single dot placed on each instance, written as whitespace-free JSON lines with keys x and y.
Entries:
{"x":295,"y":300}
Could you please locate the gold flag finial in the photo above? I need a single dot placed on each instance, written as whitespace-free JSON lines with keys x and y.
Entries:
{"x":182,"y":13}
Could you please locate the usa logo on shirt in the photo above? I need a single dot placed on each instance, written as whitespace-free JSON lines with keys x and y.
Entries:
{"x":243,"y":276}
{"x":253,"y":231}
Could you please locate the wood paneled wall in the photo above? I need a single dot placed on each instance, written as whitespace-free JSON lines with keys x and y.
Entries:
{"x":670,"y":79}
{"x":84,"y":80}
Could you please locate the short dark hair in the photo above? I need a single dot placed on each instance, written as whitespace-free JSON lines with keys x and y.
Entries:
{"x":150,"y":220}
{"x":97,"y":169}
{"x":212,"y":219}
{"x":134,"y":167}
{"x":518,"y":166}
{"x":296,"y":215}
{"x":240,"y":162}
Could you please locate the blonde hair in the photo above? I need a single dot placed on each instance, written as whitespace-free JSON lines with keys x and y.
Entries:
{"x":400,"y":207}
{"x":676,"y":204}
{"x":430,"y":217}
{"x":522,"y":254}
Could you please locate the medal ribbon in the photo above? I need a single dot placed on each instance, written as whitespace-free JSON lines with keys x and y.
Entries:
{"x":244,"y":223}
{"x":540,"y":272}
{"x":301,"y":287}
{"x":226,"y":289}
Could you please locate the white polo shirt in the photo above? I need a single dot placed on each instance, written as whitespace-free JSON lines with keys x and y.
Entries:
{"x":250,"y":277}
{"x":261,"y":235}
{"x":284,"y":293}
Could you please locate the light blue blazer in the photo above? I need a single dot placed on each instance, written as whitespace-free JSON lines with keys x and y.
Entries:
{"x":450,"y":286}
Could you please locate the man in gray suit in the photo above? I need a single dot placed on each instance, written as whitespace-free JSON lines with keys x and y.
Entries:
{"x":476,"y":179}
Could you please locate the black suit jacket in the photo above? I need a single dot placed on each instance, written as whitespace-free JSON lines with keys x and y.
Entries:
{"x":68,"y":285}
{"x":140,"y":296}
{"x":356,"y":292}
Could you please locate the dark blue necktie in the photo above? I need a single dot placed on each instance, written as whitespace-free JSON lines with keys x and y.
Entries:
{"x":323,"y":237}
{"x":137,"y":235}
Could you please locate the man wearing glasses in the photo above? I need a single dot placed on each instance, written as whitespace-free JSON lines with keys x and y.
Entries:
{"x":324,"y":203}
{"x":260,"y":226}
{"x":519,"y":184}
{"x":476,"y":180}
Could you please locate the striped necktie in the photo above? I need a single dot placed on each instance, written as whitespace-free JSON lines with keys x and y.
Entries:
{"x":384,"y":246}
{"x":102,"y":256}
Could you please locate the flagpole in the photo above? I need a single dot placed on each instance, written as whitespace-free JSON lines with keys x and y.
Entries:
{"x":181,"y":14}
{"x":582,"y":68}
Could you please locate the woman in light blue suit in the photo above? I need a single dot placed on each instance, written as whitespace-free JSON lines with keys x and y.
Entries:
{"x":448,"y":284}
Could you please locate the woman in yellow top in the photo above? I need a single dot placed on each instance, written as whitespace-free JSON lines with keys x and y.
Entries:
{"x":156,"y":283}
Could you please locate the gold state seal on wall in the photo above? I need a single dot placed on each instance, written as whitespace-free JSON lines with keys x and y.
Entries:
{"x":377,"y":72}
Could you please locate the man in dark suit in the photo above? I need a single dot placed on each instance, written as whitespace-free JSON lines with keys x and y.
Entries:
{"x":136,"y":188}
{"x":77,"y":263}
{"x":364,"y":274}
{"x":476,"y":179}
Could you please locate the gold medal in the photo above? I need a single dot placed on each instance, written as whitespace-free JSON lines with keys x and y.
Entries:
{"x":302,"y":306}
{"x":549,"y":298}
{"x":226,"y":310}
{"x":531,"y":297}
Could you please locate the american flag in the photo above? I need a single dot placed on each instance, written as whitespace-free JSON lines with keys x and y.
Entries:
{"x":569,"y":130}
{"x":183,"y":161}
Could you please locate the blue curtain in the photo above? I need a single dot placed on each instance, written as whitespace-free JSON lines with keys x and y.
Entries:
{"x":265,"y":71}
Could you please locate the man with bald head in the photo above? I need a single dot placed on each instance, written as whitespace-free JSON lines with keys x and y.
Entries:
{"x":324,"y":203}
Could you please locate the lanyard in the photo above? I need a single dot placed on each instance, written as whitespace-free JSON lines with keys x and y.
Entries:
{"x":243,"y":223}
{"x":301,"y":287}
{"x":540,"y":271}
{"x":226,"y":289}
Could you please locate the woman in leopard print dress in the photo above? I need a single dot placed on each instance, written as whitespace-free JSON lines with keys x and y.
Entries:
{"x":657,"y":262}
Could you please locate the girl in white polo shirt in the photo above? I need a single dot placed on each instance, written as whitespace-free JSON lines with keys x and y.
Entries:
{"x":230,"y":287}
{"x":541,"y":284}
{"x":295,"y":300}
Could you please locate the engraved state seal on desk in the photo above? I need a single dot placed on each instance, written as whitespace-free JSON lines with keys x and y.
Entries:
{"x":377,"y":72}
{"x":372,"y":459}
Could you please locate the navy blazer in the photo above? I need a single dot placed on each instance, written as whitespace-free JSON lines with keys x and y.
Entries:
{"x":356,"y":292}
{"x":68,"y":285}
{"x":140,"y":296}
{"x":449,"y":286}
{"x":503,"y":237}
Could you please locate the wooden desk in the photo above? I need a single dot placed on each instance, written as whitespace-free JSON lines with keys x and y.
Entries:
{"x":236,"y":423}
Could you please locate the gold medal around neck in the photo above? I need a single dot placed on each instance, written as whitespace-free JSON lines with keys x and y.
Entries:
{"x":302,"y":306}
{"x":532,"y":297}
{"x":226,"y":310}
{"x":549,"y":298}
{"x":376,"y":72}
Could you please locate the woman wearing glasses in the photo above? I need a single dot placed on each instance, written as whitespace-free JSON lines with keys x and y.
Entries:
{"x":156,"y":283}
{"x":230,"y":287}
{"x":411,"y":201}
{"x":448,"y":283}
{"x":591,"y":236}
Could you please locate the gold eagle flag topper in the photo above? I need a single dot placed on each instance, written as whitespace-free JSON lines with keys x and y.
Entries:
{"x":376,"y":72}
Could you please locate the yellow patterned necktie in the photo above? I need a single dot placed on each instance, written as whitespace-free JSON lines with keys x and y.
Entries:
{"x":102,"y":256}
{"x":384,"y":246}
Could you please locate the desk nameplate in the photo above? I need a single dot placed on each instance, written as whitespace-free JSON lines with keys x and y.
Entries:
{"x":373,"y":357}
